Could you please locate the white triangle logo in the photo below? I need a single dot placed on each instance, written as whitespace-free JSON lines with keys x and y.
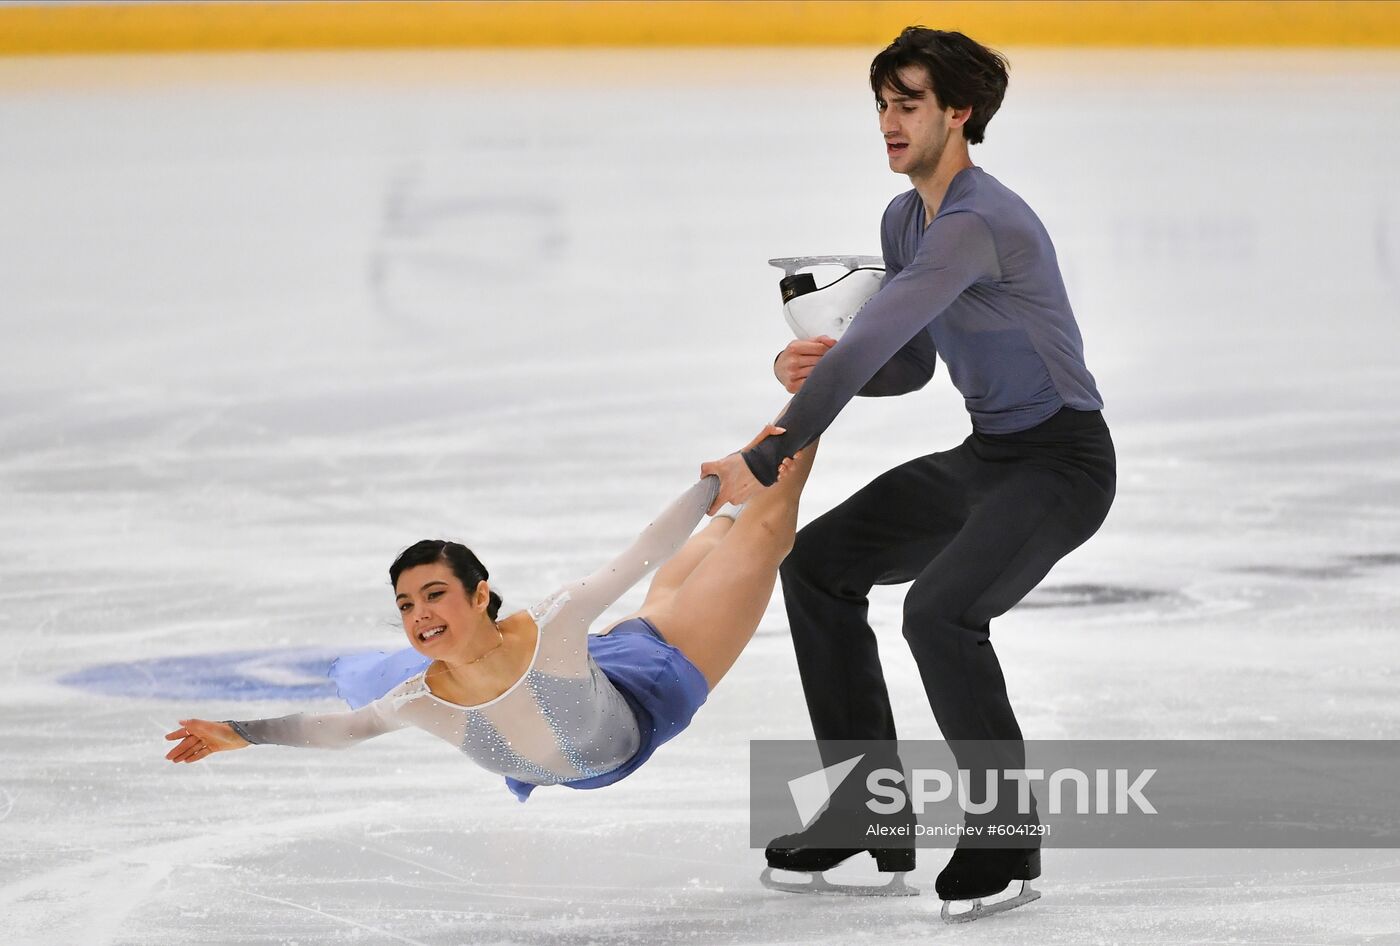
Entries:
{"x":810,"y":792}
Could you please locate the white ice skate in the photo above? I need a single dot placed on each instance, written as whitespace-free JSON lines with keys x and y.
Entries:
{"x":826,"y":310}
{"x":1017,"y":893}
{"x":816,"y":882}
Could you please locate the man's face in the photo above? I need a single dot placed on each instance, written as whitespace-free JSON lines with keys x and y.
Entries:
{"x":915,"y":127}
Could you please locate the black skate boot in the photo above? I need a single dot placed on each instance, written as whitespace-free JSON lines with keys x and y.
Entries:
{"x":802,"y":853}
{"x":978,"y":882}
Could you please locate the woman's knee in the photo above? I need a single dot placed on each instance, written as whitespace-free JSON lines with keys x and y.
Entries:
{"x":773,"y":530}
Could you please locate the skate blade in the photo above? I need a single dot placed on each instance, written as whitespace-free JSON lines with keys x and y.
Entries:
{"x":791,"y":264}
{"x":817,"y":883}
{"x":986,"y":906}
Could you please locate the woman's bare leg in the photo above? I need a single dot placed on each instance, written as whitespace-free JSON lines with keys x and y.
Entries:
{"x":671,"y":575}
{"x":712,"y":615}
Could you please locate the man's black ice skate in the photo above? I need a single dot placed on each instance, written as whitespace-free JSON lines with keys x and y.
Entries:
{"x":979,"y":882}
{"x":797,"y":853}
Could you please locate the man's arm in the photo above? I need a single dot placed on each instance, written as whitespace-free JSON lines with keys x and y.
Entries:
{"x":912,"y":366}
{"x":909,"y":370}
{"x":957,"y":251}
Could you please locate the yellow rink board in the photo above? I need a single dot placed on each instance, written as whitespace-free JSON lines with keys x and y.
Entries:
{"x":370,"y":24}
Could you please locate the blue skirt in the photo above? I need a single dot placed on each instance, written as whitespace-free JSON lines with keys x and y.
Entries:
{"x":659,"y":682}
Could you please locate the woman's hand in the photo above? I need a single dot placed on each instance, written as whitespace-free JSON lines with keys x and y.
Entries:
{"x":737,"y":484}
{"x":199,"y":737}
{"x":785,"y":467}
{"x":769,"y":430}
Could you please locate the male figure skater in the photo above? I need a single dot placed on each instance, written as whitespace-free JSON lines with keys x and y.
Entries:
{"x":972,"y":277}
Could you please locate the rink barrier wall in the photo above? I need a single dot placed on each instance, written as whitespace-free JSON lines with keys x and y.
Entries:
{"x":382,"y":24}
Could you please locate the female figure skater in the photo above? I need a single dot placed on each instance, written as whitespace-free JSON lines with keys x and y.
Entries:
{"x":533,"y":696}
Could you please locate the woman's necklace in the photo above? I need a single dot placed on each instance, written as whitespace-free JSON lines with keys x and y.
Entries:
{"x":500,"y":639}
{"x":446,"y":670}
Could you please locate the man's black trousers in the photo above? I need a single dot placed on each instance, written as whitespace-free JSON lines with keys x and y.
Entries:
{"x":974,"y":528}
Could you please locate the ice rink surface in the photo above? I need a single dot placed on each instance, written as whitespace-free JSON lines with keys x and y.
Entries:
{"x":270,"y":318}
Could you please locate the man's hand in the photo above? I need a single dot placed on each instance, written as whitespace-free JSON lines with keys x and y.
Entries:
{"x":796,"y":361}
{"x":736,"y":482}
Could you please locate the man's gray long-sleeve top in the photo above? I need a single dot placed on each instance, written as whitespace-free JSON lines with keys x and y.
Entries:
{"x":981,"y":287}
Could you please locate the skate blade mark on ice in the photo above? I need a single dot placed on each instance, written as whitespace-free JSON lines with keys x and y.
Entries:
{"x":816,"y":883}
{"x":1017,"y":893}
{"x":811,"y":310}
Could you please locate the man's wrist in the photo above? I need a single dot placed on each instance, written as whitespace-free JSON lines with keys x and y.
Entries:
{"x":751,"y":465}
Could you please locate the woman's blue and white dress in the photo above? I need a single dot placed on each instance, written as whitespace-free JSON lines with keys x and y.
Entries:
{"x":589,"y":710}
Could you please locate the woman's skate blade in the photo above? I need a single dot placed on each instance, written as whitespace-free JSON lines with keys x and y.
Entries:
{"x":817,"y":883}
{"x":1017,"y":893}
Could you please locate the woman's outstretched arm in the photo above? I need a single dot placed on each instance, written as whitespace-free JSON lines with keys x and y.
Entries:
{"x":200,"y":738}
{"x":584,"y":600}
{"x":589,"y":597}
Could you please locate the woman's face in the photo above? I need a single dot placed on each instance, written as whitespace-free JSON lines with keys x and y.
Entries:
{"x":437,"y":613}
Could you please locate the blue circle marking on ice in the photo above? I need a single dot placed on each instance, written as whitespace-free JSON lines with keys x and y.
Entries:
{"x":285,"y":674}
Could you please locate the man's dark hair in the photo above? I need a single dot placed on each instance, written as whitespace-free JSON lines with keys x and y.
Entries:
{"x":962,"y":72}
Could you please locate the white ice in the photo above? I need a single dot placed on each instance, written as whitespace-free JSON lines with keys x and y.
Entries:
{"x":267,"y":319}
